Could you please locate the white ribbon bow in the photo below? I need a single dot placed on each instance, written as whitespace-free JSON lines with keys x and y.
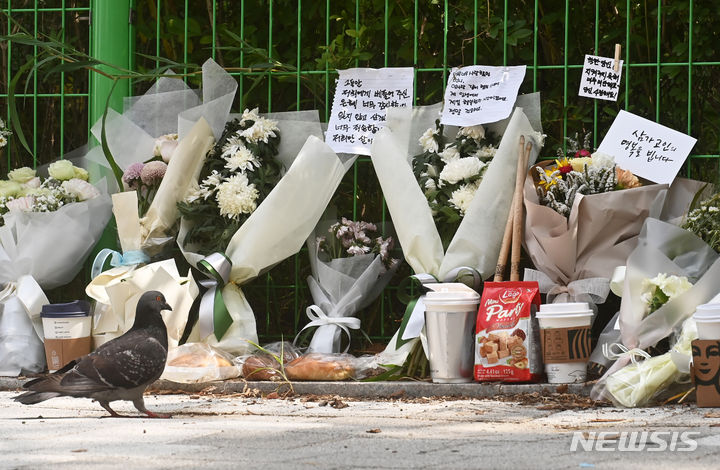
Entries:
{"x":318,"y":318}
{"x":624,"y":352}
{"x":593,"y":290}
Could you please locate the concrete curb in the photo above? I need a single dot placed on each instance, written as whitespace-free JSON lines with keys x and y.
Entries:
{"x":367,"y":390}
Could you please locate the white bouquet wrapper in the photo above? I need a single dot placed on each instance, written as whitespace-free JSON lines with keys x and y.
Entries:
{"x":41,"y":250}
{"x":340,"y":288}
{"x":476,"y":243}
{"x":276,"y":230}
{"x":169,"y":106}
{"x":667,"y":249}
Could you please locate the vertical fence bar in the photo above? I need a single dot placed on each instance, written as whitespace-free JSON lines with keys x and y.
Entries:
{"x":658,"y":59}
{"x":536,"y":27}
{"x":35,"y":89}
{"x":270,"y":53}
{"x":596,"y":51}
{"x":627,"y":55}
{"x":565,"y":73}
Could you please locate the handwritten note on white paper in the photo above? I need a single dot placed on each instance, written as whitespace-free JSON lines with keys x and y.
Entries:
{"x":599,"y":79}
{"x":362,"y":97}
{"x":646,"y":148}
{"x":480,"y":94}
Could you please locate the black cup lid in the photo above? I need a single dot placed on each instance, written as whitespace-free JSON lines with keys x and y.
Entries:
{"x":77,"y":308}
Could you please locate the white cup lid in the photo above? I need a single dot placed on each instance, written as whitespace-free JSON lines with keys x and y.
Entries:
{"x":707,"y":313}
{"x":451,"y":293}
{"x":565,"y":307}
{"x":587,"y":313}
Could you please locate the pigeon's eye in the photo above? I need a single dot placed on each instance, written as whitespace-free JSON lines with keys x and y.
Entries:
{"x":158,"y":298}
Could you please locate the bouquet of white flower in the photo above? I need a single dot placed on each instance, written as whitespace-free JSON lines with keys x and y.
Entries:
{"x":48,"y":229}
{"x":475,"y":244}
{"x":247,"y":213}
{"x":158,"y":172}
{"x":350,"y":268}
{"x":668,"y":274}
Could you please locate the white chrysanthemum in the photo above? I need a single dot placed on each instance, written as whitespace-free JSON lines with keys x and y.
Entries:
{"x":461,"y":169}
{"x":449,"y":154}
{"x":81,"y":189}
{"x":486,"y":151}
{"x":602,"y":160}
{"x":462,"y":197}
{"x":262,"y":129}
{"x":474,"y":132}
{"x":237,"y":196}
{"x":431,"y":170}
{"x":242,"y":160}
{"x":233,"y":145}
{"x":430,"y":184}
{"x":3,"y":141}
{"x":671,"y":285}
{"x":250,"y":115}
{"x":428,"y":142}
{"x":212,"y":180}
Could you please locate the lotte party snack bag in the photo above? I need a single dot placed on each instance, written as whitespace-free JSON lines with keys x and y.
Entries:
{"x":507,"y":344}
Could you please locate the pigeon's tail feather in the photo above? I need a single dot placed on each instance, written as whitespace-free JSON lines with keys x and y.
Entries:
{"x":50,"y":383}
{"x":30,"y":398}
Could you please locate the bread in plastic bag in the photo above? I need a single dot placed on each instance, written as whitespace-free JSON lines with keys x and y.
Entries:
{"x":199,"y":362}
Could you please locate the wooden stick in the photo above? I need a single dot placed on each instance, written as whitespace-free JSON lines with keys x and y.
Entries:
{"x":505,"y":247}
{"x":518,"y":210}
{"x":616,"y":63}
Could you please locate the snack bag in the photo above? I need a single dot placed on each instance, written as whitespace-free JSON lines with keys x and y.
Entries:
{"x":508,"y":343}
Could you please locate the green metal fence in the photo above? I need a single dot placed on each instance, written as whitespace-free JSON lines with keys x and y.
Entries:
{"x":671,"y":74}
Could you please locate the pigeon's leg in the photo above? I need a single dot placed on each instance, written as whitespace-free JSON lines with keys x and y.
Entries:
{"x":140,"y":405}
{"x":106,"y":405}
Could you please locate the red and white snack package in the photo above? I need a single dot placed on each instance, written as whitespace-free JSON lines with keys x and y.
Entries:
{"x":507,"y":346}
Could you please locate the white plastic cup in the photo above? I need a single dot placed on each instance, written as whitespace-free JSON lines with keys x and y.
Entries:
{"x":450,"y":315}
{"x":565,"y":315}
{"x":707,"y":318}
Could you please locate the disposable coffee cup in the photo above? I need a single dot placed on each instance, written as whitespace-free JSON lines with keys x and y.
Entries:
{"x":707,"y":318}
{"x":67,"y":332}
{"x":565,"y":337}
{"x":450,"y":314}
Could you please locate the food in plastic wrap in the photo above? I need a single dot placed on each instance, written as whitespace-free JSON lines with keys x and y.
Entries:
{"x":321,"y":367}
{"x":198,"y":362}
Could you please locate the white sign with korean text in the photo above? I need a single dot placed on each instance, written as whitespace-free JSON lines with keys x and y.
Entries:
{"x":599,"y":79}
{"x":646,"y":148}
{"x":480,"y":94}
{"x":362,"y":97}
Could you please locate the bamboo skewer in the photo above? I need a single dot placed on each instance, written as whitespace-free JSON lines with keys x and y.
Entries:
{"x":517,"y":230}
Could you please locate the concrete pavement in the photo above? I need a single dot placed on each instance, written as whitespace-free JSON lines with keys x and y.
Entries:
{"x":244,"y":431}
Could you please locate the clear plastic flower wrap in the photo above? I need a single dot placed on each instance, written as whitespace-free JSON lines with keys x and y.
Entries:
{"x":351,"y":264}
{"x":197,"y":363}
{"x":666,"y":249}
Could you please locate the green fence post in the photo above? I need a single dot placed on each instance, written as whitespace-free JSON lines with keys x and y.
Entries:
{"x":110,"y":42}
{"x":111,"y":39}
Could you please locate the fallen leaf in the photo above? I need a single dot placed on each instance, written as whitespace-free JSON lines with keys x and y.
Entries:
{"x":373,"y":431}
{"x":712,"y":414}
{"x":606,"y":420}
{"x":79,"y":450}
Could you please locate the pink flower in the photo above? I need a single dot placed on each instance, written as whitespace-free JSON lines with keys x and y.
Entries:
{"x":131,"y":177}
{"x":22,"y":204}
{"x":582,"y":153}
{"x":153,"y":172}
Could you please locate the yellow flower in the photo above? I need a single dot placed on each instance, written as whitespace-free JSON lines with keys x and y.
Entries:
{"x":563,"y":165}
{"x":550,"y":182}
{"x":579,"y":163}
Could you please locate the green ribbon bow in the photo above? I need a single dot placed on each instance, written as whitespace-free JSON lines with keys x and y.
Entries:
{"x":214,"y":317}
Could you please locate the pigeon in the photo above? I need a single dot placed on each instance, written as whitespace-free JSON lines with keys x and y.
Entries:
{"x":120,"y":369}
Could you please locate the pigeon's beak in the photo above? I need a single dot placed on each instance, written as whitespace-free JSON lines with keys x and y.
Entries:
{"x":165,"y":306}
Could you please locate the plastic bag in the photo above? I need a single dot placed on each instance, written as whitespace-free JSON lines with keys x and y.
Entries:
{"x":198,"y":362}
{"x":267,"y":362}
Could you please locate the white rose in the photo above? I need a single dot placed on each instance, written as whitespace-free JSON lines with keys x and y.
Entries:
{"x":80,"y":189}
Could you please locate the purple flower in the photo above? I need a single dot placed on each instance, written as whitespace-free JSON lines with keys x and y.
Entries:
{"x":131,"y":177}
{"x":153,"y":172}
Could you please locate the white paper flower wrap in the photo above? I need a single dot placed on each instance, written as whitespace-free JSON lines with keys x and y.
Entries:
{"x":278,"y":227}
{"x":477,"y":241}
